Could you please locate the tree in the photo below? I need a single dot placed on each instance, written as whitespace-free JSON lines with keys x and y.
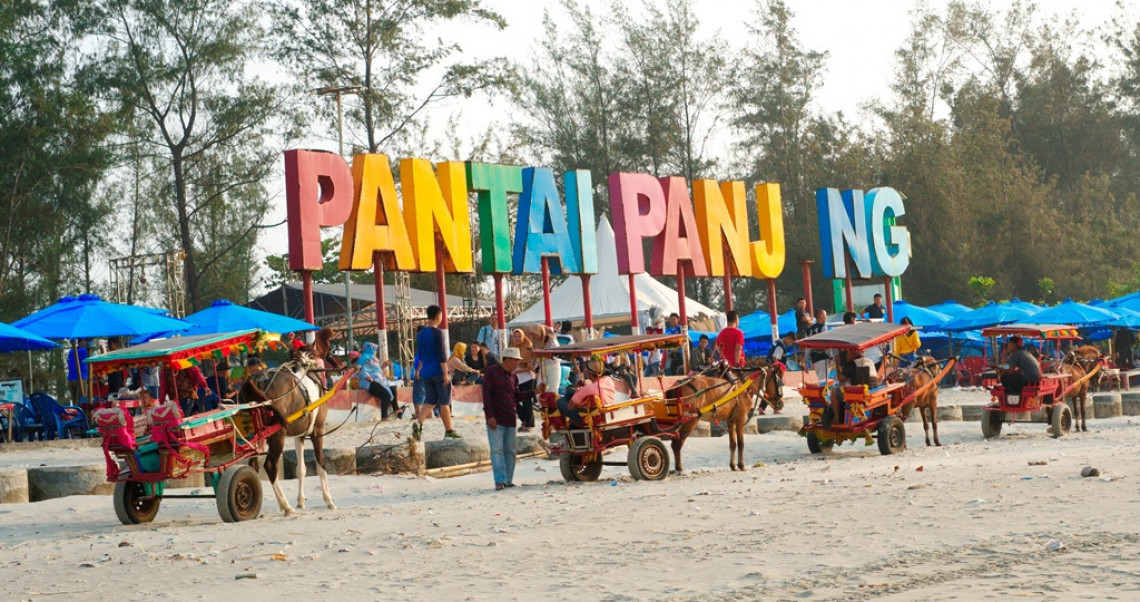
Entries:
{"x":378,"y":47}
{"x":180,"y":68}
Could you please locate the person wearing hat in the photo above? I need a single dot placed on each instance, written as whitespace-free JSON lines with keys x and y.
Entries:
{"x":594,"y":384}
{"x":220,"y":384}
{"x":500,"y":396}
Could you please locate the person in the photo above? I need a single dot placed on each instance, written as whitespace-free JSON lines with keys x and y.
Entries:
{"x":874,"y":311}
{"x":907,"y":346}
{"x":1124,"y":340}
{"x":594,"y":384}
{"x":501,"y":396}
{"x":186,"y":383}
{"x":219,"y":383}
{"x":777,"y":356}
{"x":431,"y":346}
{"x":116,"y":379}
{"x":461,"y":373}
{"x":849,"y":318}
{"x":673,"y":324}
{"x":700,"y":356}
{"x":804,"y":320}
{"x":730,"y":341}
{"x":253,"y":365}
{"x":371,"y":378}
{"x":549,"y":369}
{"x":474,"y":357}
{"x":851,"y":374}
{"x":76,"y":371}
{"x":1022,"y":368}
{"x":819,"y":357}
{"x":654,"y":358}
{"x":489,"y":358}
{"x":148,"y":375}
{"x":526,"y":373}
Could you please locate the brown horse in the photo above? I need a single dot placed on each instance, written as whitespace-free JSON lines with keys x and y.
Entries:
{"x":768,"y":388}
{"x":924,"y":370}
{"x":699,"y":392}
{"x":1077,"y":363}
{"x":288,"y":390}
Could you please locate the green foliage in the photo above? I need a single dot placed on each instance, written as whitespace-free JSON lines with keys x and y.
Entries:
{"x":1045,"y":289}
{"x":981,"y":287}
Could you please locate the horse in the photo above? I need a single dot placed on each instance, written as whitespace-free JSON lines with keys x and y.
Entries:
{"x":699,"y":391}
{"x":922,"y":372}
{"x":288,"y":389}
{"x":768,"y":389}
{"x":1077,"y":363}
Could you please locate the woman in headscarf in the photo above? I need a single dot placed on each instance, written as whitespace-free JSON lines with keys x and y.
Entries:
{"x":525,"y":372}
{"x":461,"y":373}
{"x":371,"y":377}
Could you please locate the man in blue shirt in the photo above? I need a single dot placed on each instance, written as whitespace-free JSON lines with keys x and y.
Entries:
{"x":433,"y":370}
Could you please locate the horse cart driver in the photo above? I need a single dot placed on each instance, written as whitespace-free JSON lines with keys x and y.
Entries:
{"x":857,"y":370}
{"x":594,"y":384}
{"x":1022,"y":369}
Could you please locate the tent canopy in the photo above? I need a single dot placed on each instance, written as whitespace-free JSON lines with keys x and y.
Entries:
{"x":609,"y":294}
{"x":329,"y":300}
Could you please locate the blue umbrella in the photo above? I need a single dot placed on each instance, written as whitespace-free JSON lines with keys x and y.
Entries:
{"x":1125,"y":318}
{"x":758,"y":325}
{"x":1032,"y":308}
{"x":1129,"y":300}
{"x":919,"y":316}
{"x":90,"y":317}
{"x":1075,"y":314}
{"x":14,"y":339}
{"x":991,"y":314}
{"x":949,"y":307}
{"x":224,"y":316}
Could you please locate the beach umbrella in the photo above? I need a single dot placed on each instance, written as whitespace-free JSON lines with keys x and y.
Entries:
{"x":1075,"y":314}
{"x":919,"y":316}
{"x":1032,"y":308}
{"x":224,"y":316}
{"x":14,"y":339}
{"x":949,"y":307}
{"x":88,"y":317}
{"x":1129,"y":300}
{"x":990,"y":314}
{"x":1125,"y":318}
{"x":758,"y":324}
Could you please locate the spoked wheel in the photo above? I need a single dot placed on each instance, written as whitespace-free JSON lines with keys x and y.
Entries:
{"x":816,"y":446}
{"x":991,"y":423}
{"x":891,"y":436}
{"x":579,"y":467}
{"x":648,"y":459}
{"x":239,"y":494}
{"x":130,"y":505}
{"x":1061,"y":421}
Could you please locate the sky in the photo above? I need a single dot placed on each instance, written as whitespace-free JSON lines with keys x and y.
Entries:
{"x":859,"y":37}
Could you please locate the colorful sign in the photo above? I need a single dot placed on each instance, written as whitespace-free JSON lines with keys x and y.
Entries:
{"x":860,"y":229}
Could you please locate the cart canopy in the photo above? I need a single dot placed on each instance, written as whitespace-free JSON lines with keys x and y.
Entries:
{"x":1049,"y":332}
{"x":857,"y":336}
{"x":608,"y":345}
{"x":182,"y":352}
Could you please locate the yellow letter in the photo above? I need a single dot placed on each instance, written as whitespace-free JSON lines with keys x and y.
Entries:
{"x":722,"y":223}
{"x":768,"y":253}
{"x":437,"y":209}
{"x":376,"y":223}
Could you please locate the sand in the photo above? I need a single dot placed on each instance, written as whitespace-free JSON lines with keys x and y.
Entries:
{"x":972,"y":520}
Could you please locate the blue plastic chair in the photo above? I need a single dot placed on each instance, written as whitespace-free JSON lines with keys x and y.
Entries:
{"x":29,"y":427}
{"x":58,"y":420}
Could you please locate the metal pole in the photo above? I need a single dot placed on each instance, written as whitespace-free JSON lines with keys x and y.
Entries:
{"x":547,"y":310}
{"x":441,"y":292}
{"x":587,"y":306}
{"x":381,"y":305}
{"x":773,"y":316}
{"x":684,"y":316}
{"x":728,"y":304}
{"x":805,"y":269}
{"x":890,"y":299}
{"x":633,"y":321}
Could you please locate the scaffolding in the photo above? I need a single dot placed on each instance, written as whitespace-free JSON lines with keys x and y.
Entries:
{"x":166,"y":288}
{"x":405,"y":332}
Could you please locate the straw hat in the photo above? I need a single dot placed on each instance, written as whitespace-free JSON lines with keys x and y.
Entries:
{"x":595,"y":365}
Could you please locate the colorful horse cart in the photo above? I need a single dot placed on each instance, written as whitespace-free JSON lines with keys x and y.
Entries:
{"x":146,"y":451}
{"x":867,"y":412}
{"x":1047,"y":394}
{"x":643,"y":418}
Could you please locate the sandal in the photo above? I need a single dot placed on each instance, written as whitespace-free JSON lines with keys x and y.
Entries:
{"x":499,"y":486}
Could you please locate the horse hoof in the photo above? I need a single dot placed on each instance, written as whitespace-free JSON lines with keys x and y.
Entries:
{"x":330,"y":505}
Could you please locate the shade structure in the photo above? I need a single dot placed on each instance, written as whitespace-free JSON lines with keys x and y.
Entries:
{"x":14,"y":339}
{"x":758,"y":324}
{"x":858,"y":336}
{"x":1125,"y":318}
{"x":224,"y":316}
{"x":1131,"y":300}
{"x":919,"y":316}
{"x":88,"y":317}
{"x":1019,"y":304}
{"x":990,"y":314}
{"x":950,"y":307}
{"x":1076,"y":314}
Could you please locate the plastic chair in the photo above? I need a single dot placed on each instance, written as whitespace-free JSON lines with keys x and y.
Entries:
{"x":58,"y":420}
{"x":970,"y":370}
{"x":29,"y":427}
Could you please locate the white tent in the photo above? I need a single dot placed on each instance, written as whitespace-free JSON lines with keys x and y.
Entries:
{"x":609,"y":294}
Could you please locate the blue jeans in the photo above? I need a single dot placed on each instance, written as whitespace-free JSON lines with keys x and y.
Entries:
{"x":503,"y":453}
{"x":573,"y":415}
{"x":418,"y":392}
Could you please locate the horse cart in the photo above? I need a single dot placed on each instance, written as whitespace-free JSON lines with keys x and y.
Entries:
{"x":642,"y":417}
{"x":1060,"y":378}
{"x":147,"y":451}
{"x":871,"y":412}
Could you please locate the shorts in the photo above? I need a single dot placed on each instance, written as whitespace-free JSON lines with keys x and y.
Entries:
{"x":436,"y":391}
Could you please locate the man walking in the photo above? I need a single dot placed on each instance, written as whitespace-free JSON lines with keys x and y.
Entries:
{"x":500,"y":394}
{"x":435,"y":375}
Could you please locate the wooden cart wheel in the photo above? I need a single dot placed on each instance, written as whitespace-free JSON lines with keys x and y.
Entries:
{"x":891,"y":436}
{"x":815,"y":446}
{"x":575,"y":467}
{"x":991,"y":423}
{"x":648,"y":459}
{"x":129,"y":505}
{"x":1061,"y":422}
{"x":239,"y":494}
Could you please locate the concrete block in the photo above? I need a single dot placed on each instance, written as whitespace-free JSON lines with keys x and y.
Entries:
{"x":452,"y":452}
{"x":13,"y":486}
{"x":717,"y":430}
{"x":530,"y":443}
{"x":1130,"y":403}
{"x":703,"y":429}
{"x":972,"y":413}
{"x":1090,"y":408}
{"x":949,"y":414}
{"x":767,"y":424}
{"x":337,"y":461}
{"x":49,"y":482}
{"x":1107,"y":405}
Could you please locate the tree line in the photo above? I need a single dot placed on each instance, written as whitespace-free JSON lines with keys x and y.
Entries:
{"x":130,"y":126}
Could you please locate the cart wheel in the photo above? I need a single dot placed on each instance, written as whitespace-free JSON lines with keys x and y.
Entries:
{"x":575,"y":467}
{"x":991,"y":423}
{"x":648,"y":459}
{"x":129,"y":505}
{"x":239,"y":494}
{"x":815,"y":446}
{"x":891,"y":436}
{"x":1061,"y":422}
